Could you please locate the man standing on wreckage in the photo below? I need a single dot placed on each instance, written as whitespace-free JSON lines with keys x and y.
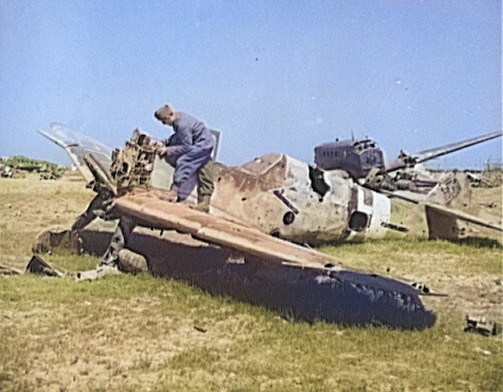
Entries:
{"x":189,"y":151}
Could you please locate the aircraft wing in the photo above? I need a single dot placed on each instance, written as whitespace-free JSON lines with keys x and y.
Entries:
{"x":406,"y":160}
{"x":443,"y":221}
{"x":149,"y":211}
{"x":318,"y":287}
{"x":77,"y":146}
{"x":463,"y":216}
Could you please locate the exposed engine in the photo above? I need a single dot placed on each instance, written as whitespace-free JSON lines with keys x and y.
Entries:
{"x":132,"y":165}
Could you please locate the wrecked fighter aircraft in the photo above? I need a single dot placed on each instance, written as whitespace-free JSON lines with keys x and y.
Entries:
{"x":358,"y":157}
{"x":365,"y":161}
{"x":439,"y":195}
{"x":248,"y":246}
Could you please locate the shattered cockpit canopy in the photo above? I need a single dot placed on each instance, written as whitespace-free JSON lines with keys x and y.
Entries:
{"x":77,"y":146}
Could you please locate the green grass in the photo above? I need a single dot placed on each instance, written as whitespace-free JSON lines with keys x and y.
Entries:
{"x":122,"y":327}
{"x":139,"y":333}
{"x":476,"y":256}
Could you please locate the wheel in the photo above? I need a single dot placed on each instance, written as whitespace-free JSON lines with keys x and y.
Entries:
{"x":132,"y":262}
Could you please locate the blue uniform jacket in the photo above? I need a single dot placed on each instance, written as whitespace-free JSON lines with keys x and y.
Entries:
{"x":189,"y":133}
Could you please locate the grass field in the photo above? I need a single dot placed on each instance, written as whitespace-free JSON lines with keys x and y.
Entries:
{"x":140,"y":333}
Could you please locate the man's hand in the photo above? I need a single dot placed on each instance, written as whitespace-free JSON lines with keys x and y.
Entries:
{"x":161,"y":150}
{"x":166,"y":151}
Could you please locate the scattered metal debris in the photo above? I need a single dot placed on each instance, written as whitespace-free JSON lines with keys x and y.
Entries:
{"x":6,"y":171}
{"x":490,"y":177}
{"x":58,"y":237}
{"x":482,"y":326}
{"x":97,"y":273}
{"x":38,"y":266}
{"x":9,"y":271}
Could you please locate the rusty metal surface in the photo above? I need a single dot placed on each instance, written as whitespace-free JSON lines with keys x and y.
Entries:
{"x":149,"y":211}
{"x":285,"y":197}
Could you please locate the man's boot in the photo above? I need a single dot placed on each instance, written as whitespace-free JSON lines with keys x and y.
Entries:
{"x":203,"y":203}
{"x":171,"y":195}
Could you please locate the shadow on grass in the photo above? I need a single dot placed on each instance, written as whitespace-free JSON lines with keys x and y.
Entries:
{"x":480,"y":242}
{"x":340,"y":296}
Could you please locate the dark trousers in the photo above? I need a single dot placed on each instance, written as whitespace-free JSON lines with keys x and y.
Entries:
{"x":188,"y":171}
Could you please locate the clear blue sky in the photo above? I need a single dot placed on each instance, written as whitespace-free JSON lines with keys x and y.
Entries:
{"x":272,"y":76}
